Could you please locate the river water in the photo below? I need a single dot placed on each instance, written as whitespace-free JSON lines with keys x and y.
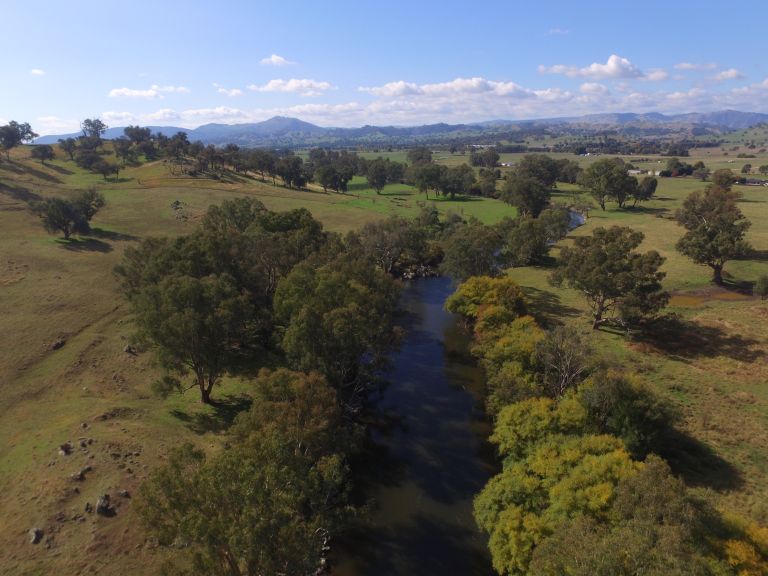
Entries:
{"x":429,"y":456}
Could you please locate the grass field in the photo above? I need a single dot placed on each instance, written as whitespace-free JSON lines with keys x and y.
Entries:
{"x":715,"y":370}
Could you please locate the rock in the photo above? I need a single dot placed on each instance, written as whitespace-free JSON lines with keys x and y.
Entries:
{"x":88,"y":507}
{"x":87,"y":468}
{"x":128,"y":349}
{"x":83,"y":443}
{"x":58,"y":343}
{"x":84,"y":425}
{"x":125,"y":493}
{"x":102,"y":506}
{"x":35,"y":535}
{"x":65,"y":449}
{"x":78,"y":476}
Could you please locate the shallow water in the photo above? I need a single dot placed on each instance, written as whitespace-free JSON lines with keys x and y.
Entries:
{"x":430,"y":456}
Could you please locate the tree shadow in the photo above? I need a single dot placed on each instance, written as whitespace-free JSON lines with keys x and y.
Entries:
{"x":759,"y":255}
{"x":547,"y":307}
{"x":84,"y":245}
{"x":110,"y":235}
{"x":60,"y":169}
{"x":122,"y":180}
{"x":218,"y":417}
{"x":685,"y":340}
{"x":646,"y":210}
{"x":42,"y":175}
{"x":698,"y":464}
{"x":20,"y":193}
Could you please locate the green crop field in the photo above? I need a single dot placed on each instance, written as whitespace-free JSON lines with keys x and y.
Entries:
{"x":91,"y":389}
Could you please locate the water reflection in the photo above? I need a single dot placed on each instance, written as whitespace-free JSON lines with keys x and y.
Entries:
{"x":429,"y":456}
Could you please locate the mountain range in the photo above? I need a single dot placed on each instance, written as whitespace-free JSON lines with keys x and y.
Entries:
{"x":283,"y":131}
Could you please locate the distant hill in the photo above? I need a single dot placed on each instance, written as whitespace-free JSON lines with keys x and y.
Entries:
{"x":283,"y":131}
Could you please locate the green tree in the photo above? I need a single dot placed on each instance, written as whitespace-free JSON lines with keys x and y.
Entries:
{"x":761,"y":287}
{"x":551,"y":472}
{"x":540,"y":167}
{"x":13,"y":134}
{"x":59,"y":215}
{"x":457,"y":180}
{"x":612,"y":276}
{"x":261,"y":508}
{"x":393,"y":242}
{"x":93,"y":128}
{"x":419,"y":155}
{"x":746,"y":169}
{"x":470,"y":250}
{"x":763,"y":169}
{"x":608,"y":179}
{"x":529,"y":195}
{"x":653,"y":527}
{"x":89,"y":202}
{"x":377,"y":175}
{"x":528,"y":240}
{"x":336,"y":319}
{"x":43,"y":152}
{"x":723,"y":178}
{"x":715,"y":229}
{"x":645,"y":190}
{"x":202,"y":325}
{"x":69,"y":145}
{"x":426,"y":176}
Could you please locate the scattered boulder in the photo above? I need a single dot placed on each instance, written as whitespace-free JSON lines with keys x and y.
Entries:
{"x":125,"y":493}
{"x":88,"y":508}
{"x":84,"y":425}
{"x":77,"y":476}
{"x":65,"y":449}
{"x":103,"y":508}
{"x":58,"y":343}
{"x":128,"y":349}
{"x":35,"y":535}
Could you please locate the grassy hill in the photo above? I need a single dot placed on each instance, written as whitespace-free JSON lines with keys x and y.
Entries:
{"x":65,"y":374}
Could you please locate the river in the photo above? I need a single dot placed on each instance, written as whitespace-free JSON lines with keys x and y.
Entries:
{"x":428,"y":456}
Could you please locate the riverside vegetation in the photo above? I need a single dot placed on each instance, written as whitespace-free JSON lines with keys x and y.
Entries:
{"x":275,"y":306}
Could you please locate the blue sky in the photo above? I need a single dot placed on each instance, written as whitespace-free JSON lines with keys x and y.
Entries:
{"x":333,"y":63}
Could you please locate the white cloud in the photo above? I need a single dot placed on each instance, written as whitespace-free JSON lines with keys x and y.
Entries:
{"x":615,"y":67}
{"x":275,"y":60}
{"x":37,"y":72}
{"x":227,"y":91}
{"x":302,"y":86}
{"x":730,"y":74}
{"x":154,"y":92}
{"x":656,"y":75}
{"x":593,"y":88}
{"x":118,"y":118}
{"x":455,"y":87}
{"x":45,"y":125}
{"x":558,"y":31}
{"x":163,"y":115}
{"x":695,"y":67}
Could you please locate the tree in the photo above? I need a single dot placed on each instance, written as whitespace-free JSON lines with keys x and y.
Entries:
{"x":457,"y":180}
{"x":336,"y":319}
{"x":529,"y":195}
{"x":328,"y":177}
{"x":69,"y":145}
{"x":652,"y":527}
{"x":763,"y":169}
{"x":528,"y":240}
{"x":93,"y":128}
{"x":201,"y":325}
{"x":608,"y":179}
{"x":761,"y":287}
{"x":137,"y":134}
{"x":568,"y":171}
{"x":59,"y":215}
{"x":43,"y":152}
{"x":539,"y":166}
{"x":564,"y":359}
{"x":377,"y":175}
{"x":426,"y":176}
{"x":470,"y":250}
{"x":393,"y":242}
{"x":262,"y":507}
{"x":645,"y":190}
{"x":746,"y":169}
{"x":14,"y":134}
{"x":89,"y":202}
{"x":723,"y":178}
{"x":551,"y":472}
{"x":420,"y":155}
{"x":612,"y":276}
{"x":715,"y":229}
